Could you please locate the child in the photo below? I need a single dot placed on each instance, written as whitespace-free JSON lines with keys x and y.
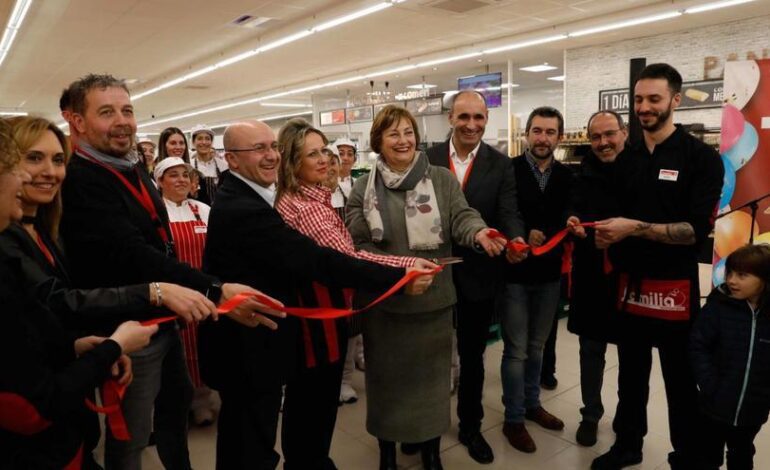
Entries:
{"x":730,"y":353}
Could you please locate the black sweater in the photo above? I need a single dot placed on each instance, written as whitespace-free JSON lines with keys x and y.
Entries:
{"x":40,"y":377}
{"x":545,"y":211}
{"x":730,"y":354}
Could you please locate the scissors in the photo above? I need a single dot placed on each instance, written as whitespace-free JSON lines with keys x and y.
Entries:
{"x":447,"y":260}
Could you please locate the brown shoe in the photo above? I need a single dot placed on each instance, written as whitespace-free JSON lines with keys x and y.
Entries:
{"x":544,"y":419}
{"x":518,"y":437}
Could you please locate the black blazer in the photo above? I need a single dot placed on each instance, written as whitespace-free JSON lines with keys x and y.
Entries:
{"x":111,"y":239}
{"x":491,"y":190}
{"x":248,"y":242}
{"x":78,"y":309}
{"x":546,"y":211}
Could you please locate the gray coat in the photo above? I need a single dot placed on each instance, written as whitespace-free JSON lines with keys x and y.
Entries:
{"x":408,"y":339}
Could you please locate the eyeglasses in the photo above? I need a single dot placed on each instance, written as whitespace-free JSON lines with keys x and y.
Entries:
{"x":261,"y":149}
{"x":606,"y":134}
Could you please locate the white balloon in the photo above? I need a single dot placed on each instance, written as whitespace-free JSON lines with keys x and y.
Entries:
{"x":741,"y":81}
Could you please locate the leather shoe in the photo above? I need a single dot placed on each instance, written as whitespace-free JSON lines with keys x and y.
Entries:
{"x":586,"y":433}
{"x":518,"y":437}
{"x":478,"y":448}
{"x":544,"y":418}
{"x":409,"y":448}
{"x":615,"y":459}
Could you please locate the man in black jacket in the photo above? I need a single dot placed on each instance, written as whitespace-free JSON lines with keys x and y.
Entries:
{"x":116,"y":231}
{"x":489,"y":185}
{"x":592,"y":313}
{"x":249,"y":242}
{"x":531,"y":294}
{"x":673,"y":183}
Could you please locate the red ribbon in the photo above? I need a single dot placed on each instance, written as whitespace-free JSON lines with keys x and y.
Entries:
{"x":519,"y":247}
{"x":112,"y":396}
{"x":112,"y":391}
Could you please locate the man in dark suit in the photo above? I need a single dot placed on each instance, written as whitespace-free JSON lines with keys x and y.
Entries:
{"x":249,"y":241}
{"x":489,"y":185}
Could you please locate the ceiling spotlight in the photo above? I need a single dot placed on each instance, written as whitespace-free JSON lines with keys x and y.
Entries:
{"x":558,"y":78}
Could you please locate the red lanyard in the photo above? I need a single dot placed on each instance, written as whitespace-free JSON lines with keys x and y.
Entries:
{"x":46,"y":252}
{"x":467,"y":172}
{"x":142,"y":197}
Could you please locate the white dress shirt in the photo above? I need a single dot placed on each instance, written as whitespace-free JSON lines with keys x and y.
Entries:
{"x":268,"y":194}
{"x":461,"y":166}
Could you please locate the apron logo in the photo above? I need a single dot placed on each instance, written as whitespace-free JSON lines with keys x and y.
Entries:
{"x":668,"y":175}
{"x":656,"y":298}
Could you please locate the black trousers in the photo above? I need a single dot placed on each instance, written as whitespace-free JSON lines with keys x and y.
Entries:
{"x":549,"y":351}
{"x":739,"y":441}
{"x":635,"y":357}
{"x":473,"y":319}
{"x":310,"y":413}
{"x":247,"y":427}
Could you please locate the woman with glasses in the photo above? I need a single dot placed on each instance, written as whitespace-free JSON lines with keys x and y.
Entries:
{"x":304,"y":202}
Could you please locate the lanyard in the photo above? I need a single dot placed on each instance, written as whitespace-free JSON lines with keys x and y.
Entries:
{"x":141,"y":195}
{"x":467,"y":172}
{"x":194,"y":210}
{"x":43,"y":248}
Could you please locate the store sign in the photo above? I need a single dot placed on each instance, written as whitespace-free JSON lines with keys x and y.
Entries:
{"x":336,"y":116}
{"x":695,"y":95}
{"x":411,"y":94}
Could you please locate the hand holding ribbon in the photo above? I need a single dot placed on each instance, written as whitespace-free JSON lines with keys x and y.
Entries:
{"x":536,"y":250}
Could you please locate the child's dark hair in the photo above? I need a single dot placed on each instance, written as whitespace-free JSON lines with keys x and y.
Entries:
{"x":752,"y":259}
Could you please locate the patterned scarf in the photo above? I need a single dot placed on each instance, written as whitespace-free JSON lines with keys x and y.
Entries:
{"x":423,"y":220}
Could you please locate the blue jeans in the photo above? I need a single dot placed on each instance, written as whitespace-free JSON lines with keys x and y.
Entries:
{"x":159,"y":396}
{"x":528,"y":311}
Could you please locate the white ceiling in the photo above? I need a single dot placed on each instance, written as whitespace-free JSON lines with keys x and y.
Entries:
{"x":153,"y":41}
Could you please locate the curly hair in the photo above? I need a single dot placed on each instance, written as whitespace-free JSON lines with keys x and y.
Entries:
{"x":9,"y":151}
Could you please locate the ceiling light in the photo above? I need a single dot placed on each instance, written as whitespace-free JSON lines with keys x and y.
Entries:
{"x":267,"y":47}
{"x":519,"y":45}
{"x":448,"y":59}
{"x":13,"y":113}
{"x":18,"y":14}
{"x":558,"y":78}
{"x":352,"y":16}
{"x":715,"y":5}
{"x":421,"y":86}
{"x":287,"y":105}
{"x":391,"y":71}
{"x":544,"y":67}
{"x":625,"y":24}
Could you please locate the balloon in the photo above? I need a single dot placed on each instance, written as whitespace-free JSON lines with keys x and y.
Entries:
{"x":764,"y":238}
{"x":718,"y":273}
{"x":732,"y":232}
{"x":744,"y":149}
{"x":741,"y":81}
{"x":728,"y":186}
{"x":732,"y":127}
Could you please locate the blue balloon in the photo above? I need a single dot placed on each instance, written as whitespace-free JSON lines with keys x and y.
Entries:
{"x":744,"y":149}
{"x":728,"y":186}
{"x":718,"y":275}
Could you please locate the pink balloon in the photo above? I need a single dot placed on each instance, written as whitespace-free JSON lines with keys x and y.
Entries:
{"x":732,"y":127}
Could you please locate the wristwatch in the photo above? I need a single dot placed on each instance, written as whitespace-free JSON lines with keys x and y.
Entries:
{"x":214,"y":292}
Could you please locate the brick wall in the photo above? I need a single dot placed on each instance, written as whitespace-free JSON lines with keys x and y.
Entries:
{"x":595,"y":68}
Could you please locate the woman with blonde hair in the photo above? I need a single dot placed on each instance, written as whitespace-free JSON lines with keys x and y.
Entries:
{"x":46,"y":371}
{"x":304,"y":202}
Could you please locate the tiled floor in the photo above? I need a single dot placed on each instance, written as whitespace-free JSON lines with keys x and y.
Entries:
{"x":353,"y":448}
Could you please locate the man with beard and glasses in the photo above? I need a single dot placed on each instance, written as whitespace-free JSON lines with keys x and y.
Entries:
{"x":672,"y":183}
{"x":531,"y":293}
{"x":488,"y":183}
{"x":115,"y":227}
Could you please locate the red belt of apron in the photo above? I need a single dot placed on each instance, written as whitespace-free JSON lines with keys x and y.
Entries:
{"x":189,"y":241}
{"x":664,"y":299}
